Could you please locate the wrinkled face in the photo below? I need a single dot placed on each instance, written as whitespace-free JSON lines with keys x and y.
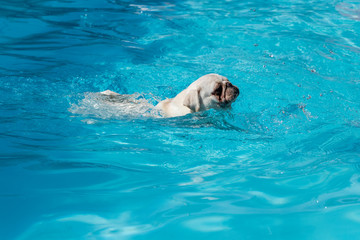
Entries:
{"x":217,"y":91}
{"x":225,"y":93}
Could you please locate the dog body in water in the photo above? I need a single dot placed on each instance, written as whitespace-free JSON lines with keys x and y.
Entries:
{"x":209,"y":91}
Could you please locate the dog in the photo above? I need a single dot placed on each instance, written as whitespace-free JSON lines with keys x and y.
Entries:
{"x":209,"y":91}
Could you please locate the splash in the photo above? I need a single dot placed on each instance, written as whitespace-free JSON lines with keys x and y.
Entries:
{"x":124,"y":106}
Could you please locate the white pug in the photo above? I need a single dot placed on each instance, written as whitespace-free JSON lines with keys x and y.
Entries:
{"x":209,"y":91}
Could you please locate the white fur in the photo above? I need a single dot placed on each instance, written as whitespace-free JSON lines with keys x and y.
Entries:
{"x":197,"y":97}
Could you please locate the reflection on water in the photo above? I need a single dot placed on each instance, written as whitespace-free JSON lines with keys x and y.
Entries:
{"x":285,"y":157}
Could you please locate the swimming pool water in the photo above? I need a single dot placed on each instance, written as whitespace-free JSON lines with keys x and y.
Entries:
{"x":284,"y":163}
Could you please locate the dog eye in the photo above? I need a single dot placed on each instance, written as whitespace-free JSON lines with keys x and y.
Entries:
{"x":218,"y":91}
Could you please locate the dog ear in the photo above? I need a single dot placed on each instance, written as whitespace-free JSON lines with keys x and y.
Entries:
{"x":192,"y":100}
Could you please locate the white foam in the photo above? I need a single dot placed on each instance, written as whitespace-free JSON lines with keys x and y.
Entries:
{"x":114,"y":106}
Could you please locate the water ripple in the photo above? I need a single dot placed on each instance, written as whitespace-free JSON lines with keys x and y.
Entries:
{"x":285,"y":157}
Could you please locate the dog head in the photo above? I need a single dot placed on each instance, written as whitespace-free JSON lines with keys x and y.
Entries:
{"x":210,"y":91}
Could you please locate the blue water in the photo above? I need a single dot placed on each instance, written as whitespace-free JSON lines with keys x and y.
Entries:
{"x":284,"y":163}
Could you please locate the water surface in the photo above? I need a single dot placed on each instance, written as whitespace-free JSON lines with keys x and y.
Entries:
{"x":282,"y":164}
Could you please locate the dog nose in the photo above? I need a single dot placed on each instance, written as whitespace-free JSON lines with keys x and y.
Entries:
{"x":236,"y":90}
{"x":228,"y":84}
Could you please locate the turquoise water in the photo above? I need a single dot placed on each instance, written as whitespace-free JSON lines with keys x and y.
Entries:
{"x":284,"y":163}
